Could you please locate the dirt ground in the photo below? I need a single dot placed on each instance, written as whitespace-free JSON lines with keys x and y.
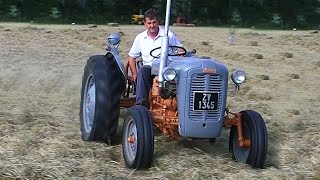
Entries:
{"x":41,"y":68}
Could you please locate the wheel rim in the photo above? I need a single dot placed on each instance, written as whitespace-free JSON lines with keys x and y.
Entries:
{"x":131,"y":140}
{"x":89,"y":104}
{"x":241,"y":154}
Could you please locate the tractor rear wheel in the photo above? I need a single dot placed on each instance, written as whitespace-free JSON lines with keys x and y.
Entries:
{"x":102,"y":84}
{"x":138,"y":138}
{"x":254,"y":129}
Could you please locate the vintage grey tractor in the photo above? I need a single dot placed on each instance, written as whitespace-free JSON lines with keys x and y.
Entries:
{"x":187,"y":100}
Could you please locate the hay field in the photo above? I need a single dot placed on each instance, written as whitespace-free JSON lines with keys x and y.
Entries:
{"x":41,"y":68}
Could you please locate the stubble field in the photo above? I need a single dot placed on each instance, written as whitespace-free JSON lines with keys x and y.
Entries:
{"x":41,"y":68}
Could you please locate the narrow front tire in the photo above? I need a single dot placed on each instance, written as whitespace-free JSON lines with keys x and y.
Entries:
{"x":253,"y":129}
{"x":138,"y":138}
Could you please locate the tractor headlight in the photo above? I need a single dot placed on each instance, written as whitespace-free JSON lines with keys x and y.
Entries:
{"x":238,"y":76}
{"x":169,"y":74}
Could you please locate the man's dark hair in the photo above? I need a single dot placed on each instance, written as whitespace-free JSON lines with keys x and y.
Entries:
{"x":151,"y":14}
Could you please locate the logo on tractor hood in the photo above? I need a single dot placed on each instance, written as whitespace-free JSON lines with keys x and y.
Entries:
{"x":209,"y":70}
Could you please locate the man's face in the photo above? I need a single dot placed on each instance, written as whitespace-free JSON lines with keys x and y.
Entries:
{"x":151,"y":25}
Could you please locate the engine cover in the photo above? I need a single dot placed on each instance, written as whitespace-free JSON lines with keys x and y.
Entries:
{"x":201,"y":95}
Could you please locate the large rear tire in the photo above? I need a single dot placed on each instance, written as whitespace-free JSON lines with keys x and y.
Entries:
{"x":138,"y":138}
{"x":102,"y":84}
{"x":254,"y":129}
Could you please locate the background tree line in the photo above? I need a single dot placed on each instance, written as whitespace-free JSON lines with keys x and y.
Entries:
{"x":242,"y":13}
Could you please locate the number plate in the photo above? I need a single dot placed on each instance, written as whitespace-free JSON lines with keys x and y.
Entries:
{"x":204,"y":101}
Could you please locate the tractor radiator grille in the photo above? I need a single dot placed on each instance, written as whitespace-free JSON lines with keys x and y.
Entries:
{"x":205,"y":82}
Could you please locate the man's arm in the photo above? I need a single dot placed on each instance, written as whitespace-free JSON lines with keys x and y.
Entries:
{"x":173,"y":40}
{"x":134,"y":52}
{"x":133,"y":69}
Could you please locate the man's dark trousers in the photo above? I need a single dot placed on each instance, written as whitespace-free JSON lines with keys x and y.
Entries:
{"x":144,"y":83}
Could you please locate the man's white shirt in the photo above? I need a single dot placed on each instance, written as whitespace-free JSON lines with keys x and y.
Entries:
{"x":143,"y":44}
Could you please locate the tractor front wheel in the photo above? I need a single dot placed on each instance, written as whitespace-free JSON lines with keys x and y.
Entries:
{"x":253,"y":129}
{"x":138,"y":138}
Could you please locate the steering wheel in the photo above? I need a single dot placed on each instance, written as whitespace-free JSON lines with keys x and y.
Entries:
{"x":173,"y":51}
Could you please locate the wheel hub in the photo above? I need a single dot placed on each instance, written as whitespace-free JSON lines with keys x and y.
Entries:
{"x":131,"y":143}
{"x":88,"y":103}
{"x":131,"y":139}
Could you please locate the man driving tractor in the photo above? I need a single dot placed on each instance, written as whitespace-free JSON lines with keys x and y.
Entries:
{"x":144,"y":42}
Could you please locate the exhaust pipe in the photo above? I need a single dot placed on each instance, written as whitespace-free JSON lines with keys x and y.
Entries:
{"x":164,"y":46}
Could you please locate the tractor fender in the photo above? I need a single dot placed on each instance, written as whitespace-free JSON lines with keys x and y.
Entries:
{"x":118,"y":59}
